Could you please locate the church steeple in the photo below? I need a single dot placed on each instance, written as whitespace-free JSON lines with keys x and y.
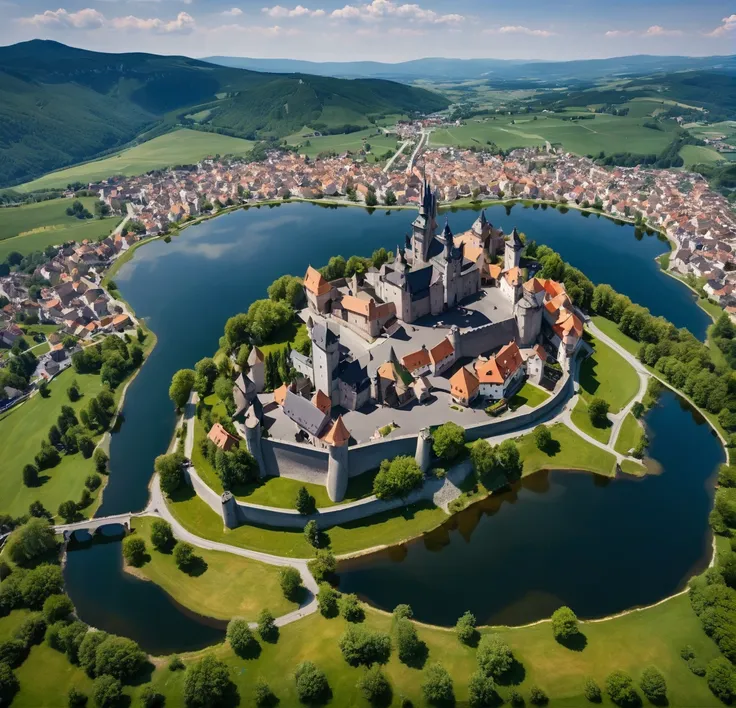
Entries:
{"x":424,"y":227}
{"x":448,"y":239}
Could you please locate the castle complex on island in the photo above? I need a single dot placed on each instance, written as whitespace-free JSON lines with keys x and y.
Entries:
{"x":530,"y":330}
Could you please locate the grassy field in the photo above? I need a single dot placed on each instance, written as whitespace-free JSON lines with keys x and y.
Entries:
{"x":606,"y":374}
{"x":285,"y":337}
{"x":568,"y":451}
{"x":32,"y":227}
{"x":224,"y":585}
{"x":609,"y":328}
{"x":629,"y":436}
{"x":695,"y":154}
{"x":529,"y":395}
{"x":581,"y":420}
{"x":178,"y":148}
{"x":23,"y":428}
{"x":352,"y":142}
{"x":605,"y":132}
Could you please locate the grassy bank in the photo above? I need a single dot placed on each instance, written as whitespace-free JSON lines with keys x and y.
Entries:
{"x":581,"y":419}
{"x":606,"y":374}
{"x":629,"y":436}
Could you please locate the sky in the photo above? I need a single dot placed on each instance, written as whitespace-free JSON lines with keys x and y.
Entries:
{"x":382,"y":30}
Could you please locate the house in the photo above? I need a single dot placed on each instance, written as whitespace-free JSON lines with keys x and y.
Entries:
{"x":121,"y":322}
{"x":418,"y":363}
{"x":500,"y":375}
{"x":464,"y":386}
{"x":222,"y":438}
{"x":442,"y":356}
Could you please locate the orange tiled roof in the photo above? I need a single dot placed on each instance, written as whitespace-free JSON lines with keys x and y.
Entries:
{"x":279,"y":395}
{"x":441,"y":351}
{"x":513,"y":276}
{"x":321,"y":400}
{"x":338,"y":435}
{"x":315,"y":282}
{"x":500,"y":367}
{"x":463,"y":383}
{"x":416,"y":360}
{"x":221,"y":437}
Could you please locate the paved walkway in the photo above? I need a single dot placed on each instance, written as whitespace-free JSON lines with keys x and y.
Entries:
{"x":396,"y":155}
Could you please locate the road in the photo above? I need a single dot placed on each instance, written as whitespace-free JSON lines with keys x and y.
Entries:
{"x":396,"y":155}
{"x":130,"y":215}
{"x":423,"y":139}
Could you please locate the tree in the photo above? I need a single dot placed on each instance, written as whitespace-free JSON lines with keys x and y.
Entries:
{"x":351,"y":609}
{"x":311,"y":684}
{"x":371,"y":199}
{"x":291,"y":582}
{"x":206,"y":683}
{"x":448,"y":441}
{"x":183,"y":555}
{"x":100,"y":459}
{"x":598,"y":412}
{"x":305,"y":503}
{"x":73,"y":391}
{"x":237,"y":331}
{"x":241,"y":637}
{"x":44,"y":390}
{"x":592,"y":691}
{"x":9,"y":684}
{"x":465,"y":628}
{"x":323,"y":565}
{"x":86,"y":445}
{"x":119,"y":657}
{"x":397,"y":478}
{"x":437,"y":686}
{"x":564,"y":624}
{"x":403,"y":612}
{"x":47,"y":457}
{"x":721,"y":679}
{"x":360,"y":647}
{"x":542,"y":437}
{"x":71,"y":637}
{"x":267,"y":628}
{"x":181,"y":386}
{"x":75,"y":698}
{"x":30,"y":476}
{"x":389,"y":198}
{"x":68,"y":511}
{"x":327,"y":600}
{"x":205,"y":375}
{"x":494,"y":656}
{"x":483,"y":458}
{"x":54,"y":436}
{"x":106,"y":691}
{"x":134,"y":551}
{"x":653,"y":685}
{"x":620,"y":689}
{"x":482,"y":691}
{"x":508,"y":458}
{"x":537,"y":697}
{"x":13,"y":653}
{"x":87,"y":652}
{"x":410,"y":648}
{"x":162,"y":537}
{"x":57,"y":607}
{"x":375,"y":687}
{"x":150,"y":698}
{"x":29,"y":541}
{"x":168,"y":468}
{"x":312,"y":533}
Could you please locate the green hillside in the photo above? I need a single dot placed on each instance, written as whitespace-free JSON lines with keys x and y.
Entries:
{"x":60,"y":105}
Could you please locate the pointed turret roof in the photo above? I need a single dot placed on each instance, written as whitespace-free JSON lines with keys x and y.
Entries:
{"x":255,"y":357}
{"x":447,"y":231}
{"x":515,"y":240}
{"x":338,"y":435}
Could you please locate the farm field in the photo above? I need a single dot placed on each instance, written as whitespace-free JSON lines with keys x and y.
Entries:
{"x":180,"y":147}
{"x":604,"y":132}
{"x":695,"y":154}
{"x":343,"y":143}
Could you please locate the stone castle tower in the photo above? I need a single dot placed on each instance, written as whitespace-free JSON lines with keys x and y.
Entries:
{"x":424,"y":226}
{"x":512,"y":252}
{"x":325,"y":358}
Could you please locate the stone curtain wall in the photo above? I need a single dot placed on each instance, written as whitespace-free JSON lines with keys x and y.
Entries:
{"x":294,"y":460}
{"x":369,"y":455}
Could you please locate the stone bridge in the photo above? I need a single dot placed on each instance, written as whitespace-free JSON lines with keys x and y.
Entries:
{"x":95,"y":523}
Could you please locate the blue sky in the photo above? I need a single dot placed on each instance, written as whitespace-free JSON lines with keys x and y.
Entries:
{"x":383,"y":30}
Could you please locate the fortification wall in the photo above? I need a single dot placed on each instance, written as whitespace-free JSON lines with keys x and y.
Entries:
{"x":294,"y":460}
{"x":483,"y":339}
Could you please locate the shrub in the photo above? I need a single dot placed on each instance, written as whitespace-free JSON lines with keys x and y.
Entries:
{"x":396,"y":478}
{"x":311,"y":533}
{"x":696,"y":666}
{"x":119,"y":657}
{"x":13,"y":652}
{"x":206,"y":683}
{"x":162,"y":537}
{"x":537,"y":696}
{"x":31,"y":540}
{"x":408,"y":644}
{"x":351,"y":609}
{"x":323,"y":565}
{"x":592,"y":691}
{"x":375,"y":687}
{"x":311,"y":684}
{"x":437,"y":686}
{"x":101,"y":459}
{"x":564,"y":624}
{"x":291,"y":583}
{"x":721,"y":680}
{"x":92,"y":482}
{"x":361,"y":647}
{"x":70,"y":638}
{"x":598,"y":412}
{"x":134,"y":551}
{"x":176,"y":664}
{"x":241,"y":637}
{"x":68,"y":511}
{"x":448,"y":441}
{"x":267,"y":628}
{"x":403,"y":612}
{"x":151,"y":699}
{"x":465,"y":628}
{"x":305,"y":503}
{"x":88,"y":650}
{"x":263,"y":696}
{"x":482,"y":691}
{"x":106,"y":691}
{"x":687,"y":652}
{"x":653,"y":685}
{"x":542,"y":437}
{"x":33,"y":628}
{"x":515,"y":698}
{"x":327,"y":598}
{"x":30,"y":476}
{"x":75,"y":698}
{"x":9,"y":684}
{"x":41,"y":582}
{"x":169,"y":471}
{"x":620,"y":689}
{"x":494,"y":656}
{"x":183,"y":555}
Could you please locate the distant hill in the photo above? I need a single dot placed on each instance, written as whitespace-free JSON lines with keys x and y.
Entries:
{"x":438,"y":69}
{"x":60,"y":105}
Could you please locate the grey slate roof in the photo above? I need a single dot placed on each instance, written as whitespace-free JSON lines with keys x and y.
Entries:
{"x":306,"y":415}
{"x":323,"y":336}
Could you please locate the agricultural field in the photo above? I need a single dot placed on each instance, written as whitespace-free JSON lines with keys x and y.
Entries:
{"x":698,"y":154}
{"x":178,"y":148}
{"x":353,"y":142}
{"x":604,"y":132}
{"x":32,"y":227}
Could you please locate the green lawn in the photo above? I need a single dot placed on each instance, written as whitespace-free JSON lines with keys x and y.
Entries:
{"x":285,"y":337}
{"x":629,"y":436}
{"x":633,"y":468}
{"x":696,"y":154}
{"x":180,"y":147}
{"x":32,"y":227}
{"x":568,"y":451}
{"x":581,"y":419}
{"x":352,"y":142}
{"x":529,"y":395}
{"x":606,"y":374}
{"x":229,"y":586}
{"x":610,"y":328}
{"x":23,"y":428}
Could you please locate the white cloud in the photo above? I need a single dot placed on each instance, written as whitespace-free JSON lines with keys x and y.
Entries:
{"x":620,"y":33}
{"x":728,"y":25}
{"x":82,"y":19}
{"x":233,"y":12}
{"x":273,"y":31}
{"x":659,"y":31}
{"x":183,"y":24}
{"x":380,"y":9}
{"x":277,"y":11}
{"x":520,"y":29}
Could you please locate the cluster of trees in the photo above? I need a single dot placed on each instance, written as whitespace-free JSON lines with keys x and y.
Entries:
{"x":288,"y":289}
{"x":338,"y":267}
{"x":397,"y":477}
{"x":235,"y":467}
{"x":278,"y":369}
{"x":78,"y":210}
{"x":258,"y":324}
{"x":491,"y":462}
{"x":578,"y":286}
{"x":18,"y":371}
{"x":114,"y":359}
